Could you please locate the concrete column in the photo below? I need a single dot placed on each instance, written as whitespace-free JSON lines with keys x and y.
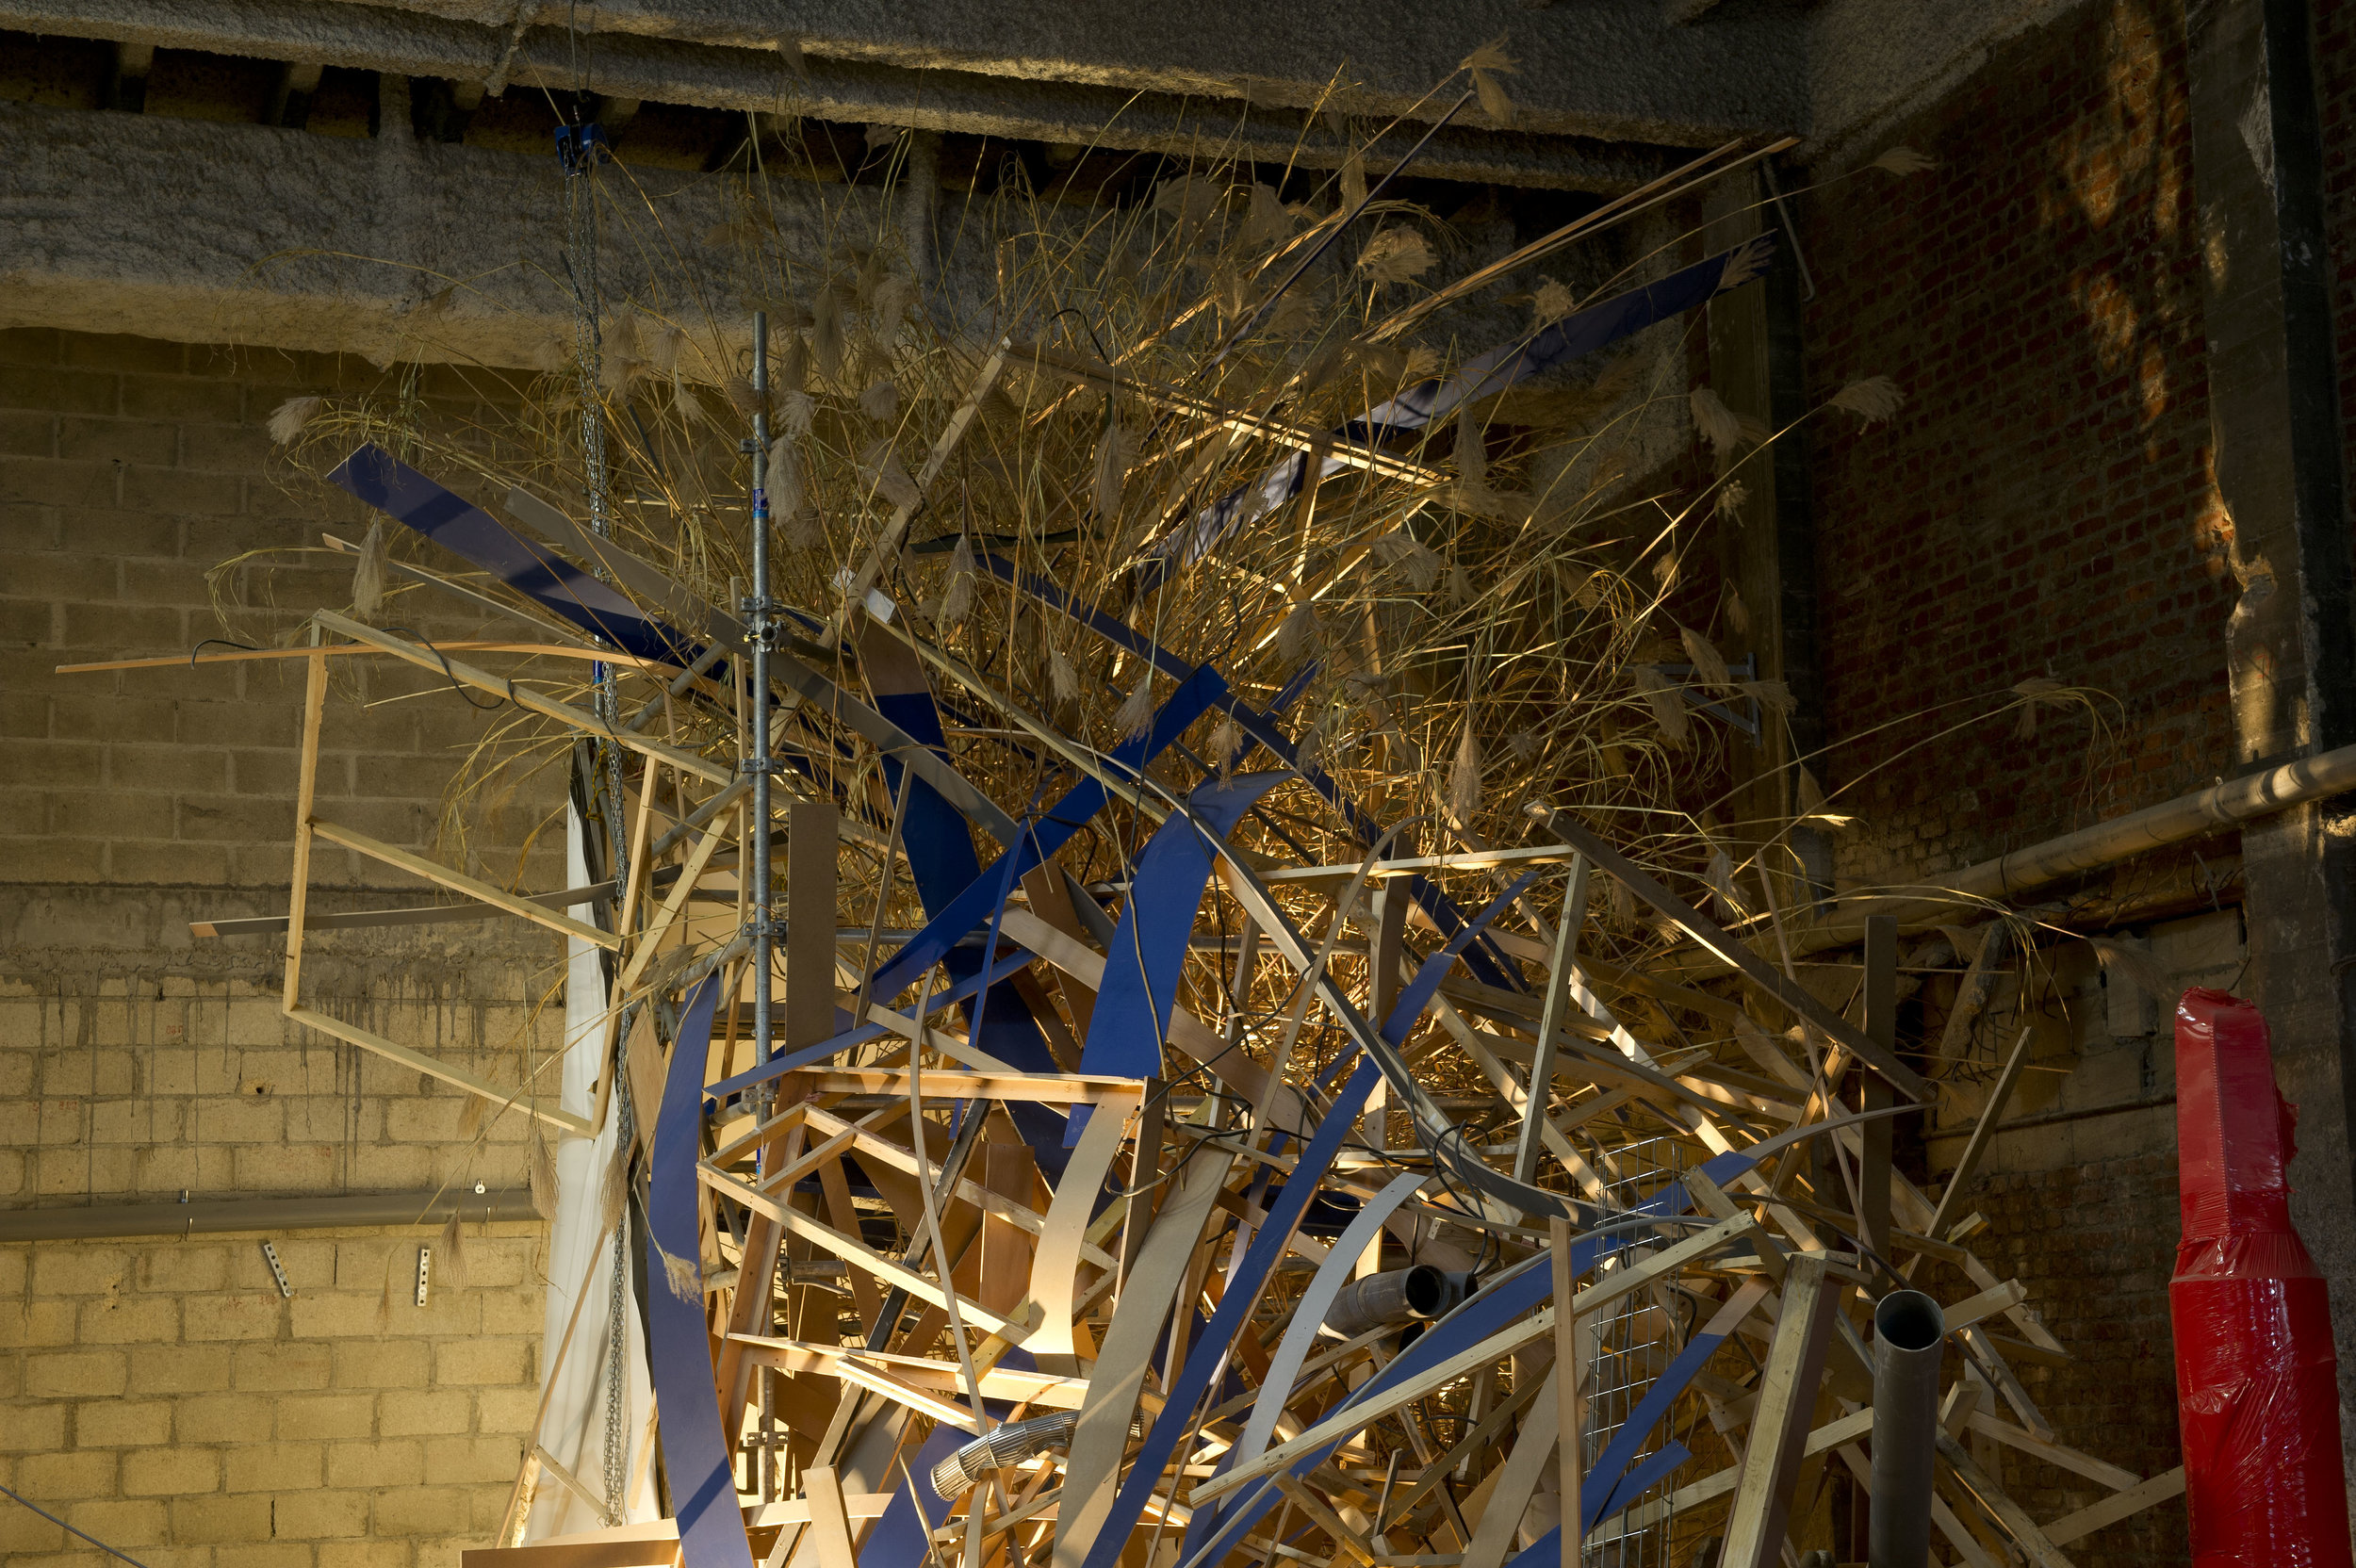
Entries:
{"x":1767,"y":547}
{"x":2290,"y":645}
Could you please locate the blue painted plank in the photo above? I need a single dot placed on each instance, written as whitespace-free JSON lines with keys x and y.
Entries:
{"x":390,"y":485}
{"x":696,"y":1453}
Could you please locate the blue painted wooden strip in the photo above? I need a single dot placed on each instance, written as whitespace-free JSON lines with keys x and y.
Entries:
{"x":696,"y":1453}
{"x":1656,"y":1467}
{"x":1417,"y":995}
{"x":1149,"y":948}
{"x":1233,"y":1318}
{"x":390,"y":485}
{"x":1580,"y":333}
{"x":1487,"y":963}
{"x":1641,"y":1421}
{"x":1050,"y":833}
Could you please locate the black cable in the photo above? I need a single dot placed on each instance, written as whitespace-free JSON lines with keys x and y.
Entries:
{"x":486,"y":707}
{"x":210,"y":642}
{"x":84,"y":1534}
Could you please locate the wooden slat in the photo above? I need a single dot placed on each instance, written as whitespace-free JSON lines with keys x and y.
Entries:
{"x":458,"y":882}
{"x":1779,"y":1425}
{"x":367,"y":1040}
{"x":2110,"y":1510}
{"x":306,"y":778}
{"x":565,"y":714}
{"x":1046,"y":1088}
{"x":849,"y":1249}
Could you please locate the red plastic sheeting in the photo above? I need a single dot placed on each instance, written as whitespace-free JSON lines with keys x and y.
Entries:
{"x":2256,"y":1382}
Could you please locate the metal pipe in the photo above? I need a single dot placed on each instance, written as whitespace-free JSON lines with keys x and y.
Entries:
{"x":1400,"y":1297}
{"x":757,"y":630}
{"x":1909,"y":1334}
{"x":2226,"y":804}
{"x":265,"y":1214}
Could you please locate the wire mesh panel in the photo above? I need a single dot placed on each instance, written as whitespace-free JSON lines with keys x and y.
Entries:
{"x":1633,"y":1341}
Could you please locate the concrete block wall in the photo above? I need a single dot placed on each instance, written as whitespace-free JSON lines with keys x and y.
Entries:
{"x":2043,"y":505}
{"x":160,"y":1392}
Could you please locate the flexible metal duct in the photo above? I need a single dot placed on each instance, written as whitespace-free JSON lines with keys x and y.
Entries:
{"x":1909,"y":1332}
{"x":1011,"y":1444}
{"x":1402,"y":1295}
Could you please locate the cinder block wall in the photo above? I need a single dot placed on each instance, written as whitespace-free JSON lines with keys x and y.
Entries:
{"x":161,"y":1393}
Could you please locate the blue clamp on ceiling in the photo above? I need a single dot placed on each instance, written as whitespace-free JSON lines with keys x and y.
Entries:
{"x":580,"y":147}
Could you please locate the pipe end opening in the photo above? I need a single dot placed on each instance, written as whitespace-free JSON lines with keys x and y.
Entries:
{"x":1909,"y":1320}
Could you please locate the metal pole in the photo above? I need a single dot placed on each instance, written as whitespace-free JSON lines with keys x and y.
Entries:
{"x":1909,"y":1334}
{"x":757,"y":610}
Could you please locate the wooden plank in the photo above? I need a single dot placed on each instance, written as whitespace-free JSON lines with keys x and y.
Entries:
{"x":306,"y":782}
{"x":1517,"y":1474}
{"x":1314,"y":1507}
{"x":2014,"y":1519}
{"x":1022,"y":1387}
{"x":850,"y":1250}
{"x":811,"y":827}
{"x":1354,"y":1417}
{"x":1054,"y":1278}
{"x":580,"y":719}
{"x":1541,"y":1101}
{"x":1570,"y":1415}
{"x":1728,"y":950}
{"x":829,"y":1518}
{"x":1987,"y":1303}
{"x":474,"y":888}
{"x":1042,"y":1087}
{"x":1982,"y":1133}
{"x":2052,"y":1453}
{"x":2110,"y":1510}
{"x":1779,"y":1424}
{"x":418,"y":1061}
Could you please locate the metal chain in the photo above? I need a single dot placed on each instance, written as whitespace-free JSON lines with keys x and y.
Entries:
{"x":581,"y":201}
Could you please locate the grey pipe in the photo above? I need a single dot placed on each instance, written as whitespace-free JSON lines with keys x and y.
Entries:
{"x":1909,"y":1334}
{"x":264,"y":1214}
{"x":1395,"y":1299}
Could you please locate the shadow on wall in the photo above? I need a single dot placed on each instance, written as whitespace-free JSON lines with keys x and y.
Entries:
{"x":2044,"y":505}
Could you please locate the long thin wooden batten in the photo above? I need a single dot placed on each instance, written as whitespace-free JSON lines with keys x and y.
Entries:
{"x":213,"y":1217}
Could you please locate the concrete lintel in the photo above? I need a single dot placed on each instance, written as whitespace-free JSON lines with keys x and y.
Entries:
{"x":1621,"y":75}
{"x":198,"y":232}
{"x":1618,"y":69}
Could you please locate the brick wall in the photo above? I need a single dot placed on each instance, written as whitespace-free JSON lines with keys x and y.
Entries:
{"x":2335,"y":90}
{"x":160,"y":1394}
{"x":2042,"y":506}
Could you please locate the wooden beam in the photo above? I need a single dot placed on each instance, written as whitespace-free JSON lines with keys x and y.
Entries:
{"x":524,"y":698}
{"x":474,"y":888}
{"x":1779,"y":1424}
{"x":2110,"y":1510}
{"x":829,"y":1518}
{"x":306,"y":778}
{"x":1729,"y":950}
{"x":416,"y":1060}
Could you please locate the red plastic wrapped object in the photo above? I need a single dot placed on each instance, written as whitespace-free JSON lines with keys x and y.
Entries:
{"x":2257,"y":1385}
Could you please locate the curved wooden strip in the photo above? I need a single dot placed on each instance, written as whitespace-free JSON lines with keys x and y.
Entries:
{"x":1302,"y":1332}
{"x":1055,"y":1272}
{"x":1146,"y":1294}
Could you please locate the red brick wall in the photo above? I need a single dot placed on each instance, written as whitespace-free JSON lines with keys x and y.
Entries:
{"x":2042,"y":504}
{"x":2335,"y":90}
